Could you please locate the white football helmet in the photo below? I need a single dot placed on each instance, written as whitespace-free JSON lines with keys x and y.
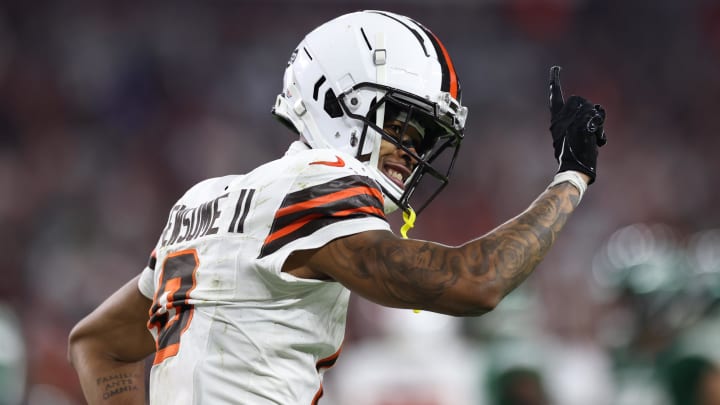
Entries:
{"x":346,"y":77}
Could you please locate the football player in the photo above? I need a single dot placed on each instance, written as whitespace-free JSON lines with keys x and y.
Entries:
{"x":245,"y":296}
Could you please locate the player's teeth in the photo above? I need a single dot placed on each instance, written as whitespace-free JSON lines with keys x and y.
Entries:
{"x":395,"y":174}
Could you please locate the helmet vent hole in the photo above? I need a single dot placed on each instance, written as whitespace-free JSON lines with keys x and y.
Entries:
{"x":332,"y":105}
{"x":316,"y":89}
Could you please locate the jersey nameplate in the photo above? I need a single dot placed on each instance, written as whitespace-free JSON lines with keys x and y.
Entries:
{"x":186,"y":224}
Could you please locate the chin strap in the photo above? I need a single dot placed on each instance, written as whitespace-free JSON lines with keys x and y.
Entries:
{"x":409,"y":219}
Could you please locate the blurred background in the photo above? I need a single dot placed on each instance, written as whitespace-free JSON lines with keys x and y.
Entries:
{"x":110,"y":110}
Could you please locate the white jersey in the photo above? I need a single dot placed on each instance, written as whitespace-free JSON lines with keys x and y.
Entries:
{"x":229,"y":325}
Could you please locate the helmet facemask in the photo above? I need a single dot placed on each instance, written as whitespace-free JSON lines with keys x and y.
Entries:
{"x":440,"y":126}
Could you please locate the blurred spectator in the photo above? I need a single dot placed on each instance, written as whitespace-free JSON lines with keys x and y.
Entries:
{"x":13,"y":358}
{"x":694,"y":380}
{"x":520,"y":386}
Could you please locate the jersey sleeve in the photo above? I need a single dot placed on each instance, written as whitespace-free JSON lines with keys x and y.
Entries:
{"x":325,"y":203}
{"x":146,"y":282}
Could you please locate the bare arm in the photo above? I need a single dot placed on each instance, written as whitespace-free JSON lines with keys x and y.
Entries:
{"x":108,"y":348}
{"x":470,"y":279}
{"x":465,"y":280}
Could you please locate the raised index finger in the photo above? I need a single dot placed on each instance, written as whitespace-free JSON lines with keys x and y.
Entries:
{"x":556,"y":97}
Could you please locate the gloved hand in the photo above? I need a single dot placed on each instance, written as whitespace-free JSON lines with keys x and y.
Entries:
{"x":577,"y":129}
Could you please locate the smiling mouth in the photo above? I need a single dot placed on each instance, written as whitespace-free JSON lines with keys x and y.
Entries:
{"x":396,"y":173}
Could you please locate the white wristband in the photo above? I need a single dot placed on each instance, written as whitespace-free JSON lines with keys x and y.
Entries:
{"x":573,"y":178}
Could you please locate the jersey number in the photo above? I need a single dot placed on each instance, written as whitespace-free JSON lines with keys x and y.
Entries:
{"x":171,"y":311}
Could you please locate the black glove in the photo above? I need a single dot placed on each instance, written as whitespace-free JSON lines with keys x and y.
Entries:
{"x":577,"y":129}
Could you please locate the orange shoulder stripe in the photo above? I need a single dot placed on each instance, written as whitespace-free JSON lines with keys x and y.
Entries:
{"x":301,"y":222}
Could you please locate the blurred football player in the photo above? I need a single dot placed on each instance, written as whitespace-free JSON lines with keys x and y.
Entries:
{"x":245,"y":296}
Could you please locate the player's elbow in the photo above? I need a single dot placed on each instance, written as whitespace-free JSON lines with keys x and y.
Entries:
{"x":486,"y":301}
{"x":476,"y":302}
{"x":81,"y":342}
{"x":76,"y":339}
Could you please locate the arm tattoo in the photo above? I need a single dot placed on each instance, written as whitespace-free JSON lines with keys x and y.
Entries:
{"x":414,"y":271}
{"x":118,"y":383}
{"x":511,"y":252}
{"x":409,"y":271}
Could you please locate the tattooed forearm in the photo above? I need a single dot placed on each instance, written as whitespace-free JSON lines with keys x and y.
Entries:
{"x":509,"y":254}
{"x":405,"y":271}
{"x":469,"y":279}
{"x":118,"y":383}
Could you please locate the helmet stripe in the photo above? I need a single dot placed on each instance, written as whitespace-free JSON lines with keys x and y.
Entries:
{"x":415,"y":33}
{"x":449,"y":77}
{"x":454,"y":87}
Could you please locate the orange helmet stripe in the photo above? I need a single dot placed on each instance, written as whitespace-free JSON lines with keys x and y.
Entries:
{"x":451,"y":68}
